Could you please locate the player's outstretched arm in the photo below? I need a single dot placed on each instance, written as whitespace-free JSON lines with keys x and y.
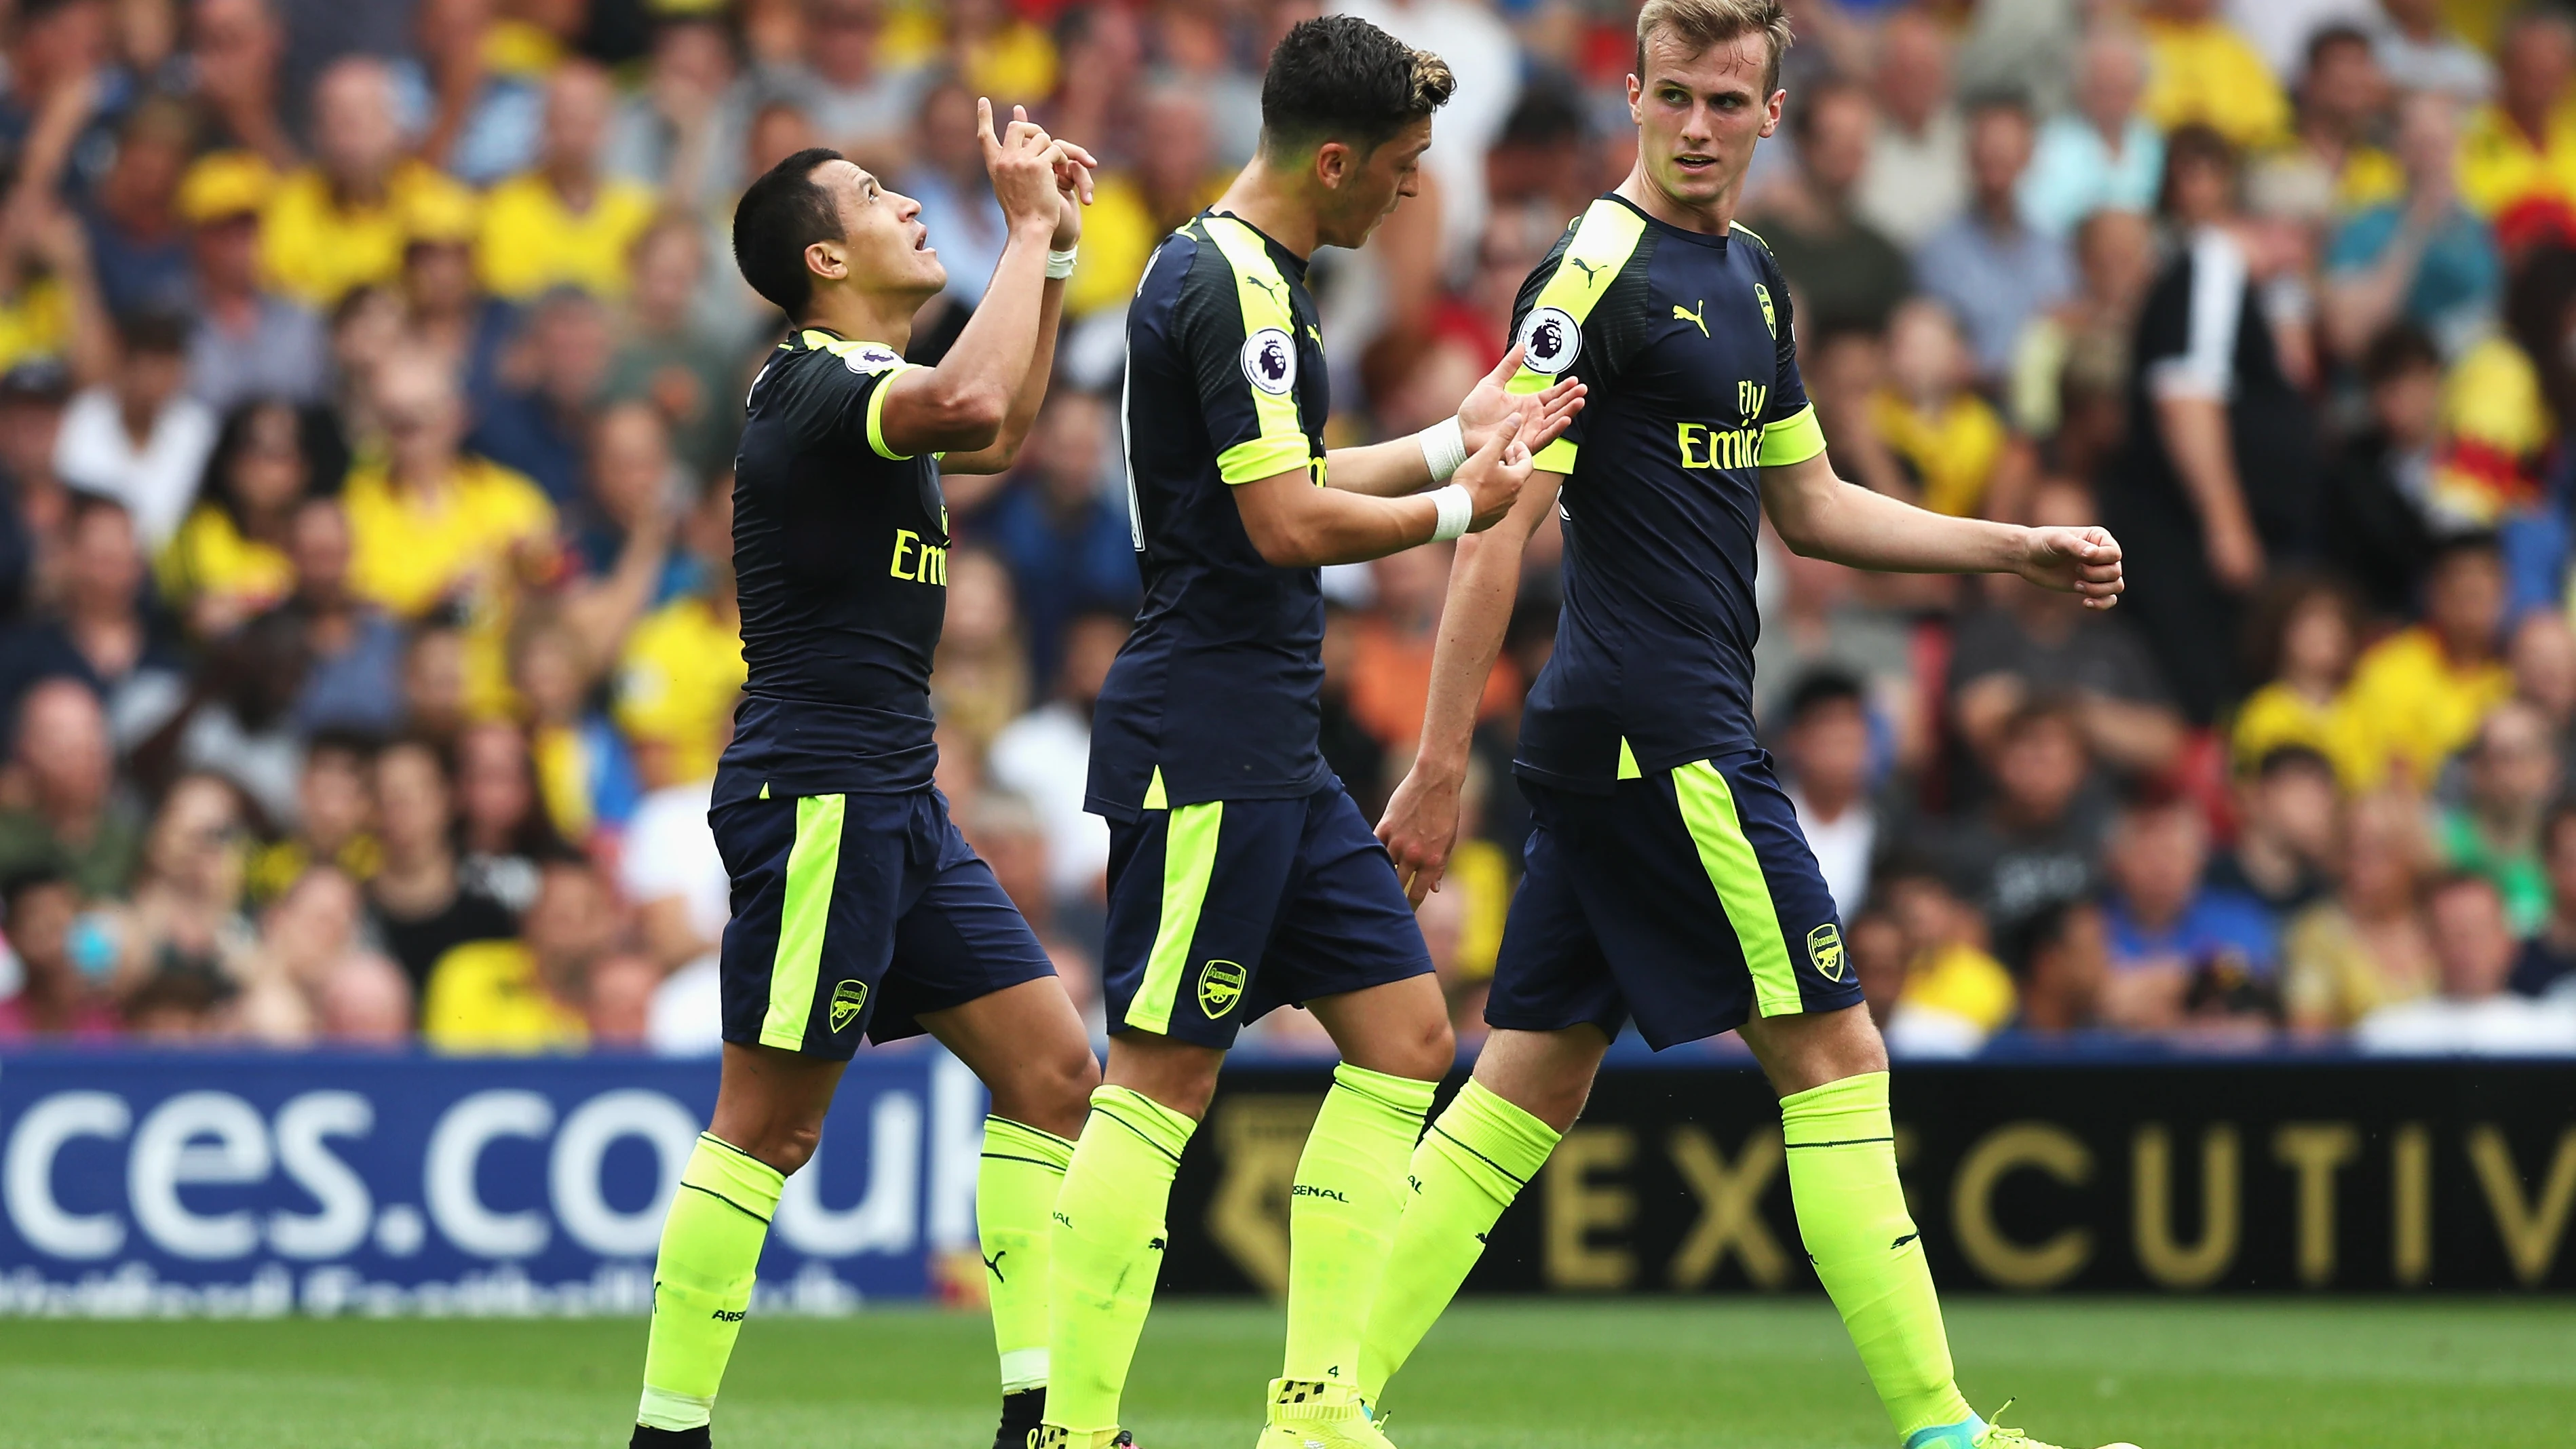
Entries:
{"x":1295,"y":524}
{"x":1073,"y":193}
{"x":1400,"y":466}
{"x":1821,"y":516}
{"x":1421,"y":821}
{"x":963,"y":405}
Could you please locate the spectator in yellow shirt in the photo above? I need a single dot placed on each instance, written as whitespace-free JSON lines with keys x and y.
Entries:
{"x":2524,"y":144}
{"x":2308,"y":640}
{"x":1132,"y":211}
{"x":566,"y":222}
{"x":2204,"y":71}
{"x":229,"y":559}
{"x":338,"y":223}
{"x":430,"y":526}
{"x":552,"y":989}
{"x":2419,"y":694}
{"x":682,"y":669}
{"x":1953,"y":439}
{"x":2343,"y":105}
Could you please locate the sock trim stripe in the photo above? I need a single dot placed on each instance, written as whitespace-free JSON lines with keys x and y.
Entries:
{"x":1480,"y":1157}
{"x":1141,"y":1134}
{"x":1067,"y":1142}
{"x":1057,"y":1168}
{"x":728,"y":1202}
{"x":1838,"y":1142}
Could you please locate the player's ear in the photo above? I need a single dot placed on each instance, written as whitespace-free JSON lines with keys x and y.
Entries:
{"x":1334,"y":164}
{"x":1771,"y":121}
{"x":1636,"y":101}
{"x":827,"y":259}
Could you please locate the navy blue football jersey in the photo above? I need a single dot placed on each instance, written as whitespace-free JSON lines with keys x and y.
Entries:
{"x":1214,"y":696}
{"x":1684,"y":341}
{"x":840,"y":555}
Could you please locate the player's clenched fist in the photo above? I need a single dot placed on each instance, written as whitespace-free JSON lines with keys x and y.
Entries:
{"x":2082,"y":561}
{"x":1493,"y":476}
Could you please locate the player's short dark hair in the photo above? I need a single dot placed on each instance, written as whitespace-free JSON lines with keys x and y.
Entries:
{"x":1699,"y":24}
{"x":1340,"y":78}
{"x":779,"y":216}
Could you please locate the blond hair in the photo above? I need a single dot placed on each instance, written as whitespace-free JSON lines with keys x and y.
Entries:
{"x":1699,"y":24}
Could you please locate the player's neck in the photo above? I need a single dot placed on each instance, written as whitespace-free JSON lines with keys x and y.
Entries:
{"x":1713,"y":218}
{"x":1269,"y":202}
{"x":864,"y":316}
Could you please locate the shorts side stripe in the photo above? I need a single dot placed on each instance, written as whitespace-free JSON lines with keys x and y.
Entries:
{"x":1189,"y":862}
{"x":813,"y":864}
{"x":1708,"y":810}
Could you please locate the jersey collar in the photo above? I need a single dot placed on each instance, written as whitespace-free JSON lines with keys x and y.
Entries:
{"x":1695,"y":238}
{"x":1295,"y":264}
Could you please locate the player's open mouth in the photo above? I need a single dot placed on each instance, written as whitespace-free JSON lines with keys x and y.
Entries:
{"x":1695,"y":163}
{"x":921,"y":243}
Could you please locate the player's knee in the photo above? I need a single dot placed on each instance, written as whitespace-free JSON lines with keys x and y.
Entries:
{"x":1050,"y":1091}
{"x":1425,"y":1052}
{"x":787,"y":1147}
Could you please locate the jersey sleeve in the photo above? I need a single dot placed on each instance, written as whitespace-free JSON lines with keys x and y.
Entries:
{"x":1566,"y":321}
{"x":1790,"y":433}
{"x":1233,"y":329}
{"x":839,"y":394}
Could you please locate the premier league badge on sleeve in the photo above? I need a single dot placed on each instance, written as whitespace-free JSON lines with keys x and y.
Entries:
{"x":1270,"y":361}
{"x":1550,"y":341}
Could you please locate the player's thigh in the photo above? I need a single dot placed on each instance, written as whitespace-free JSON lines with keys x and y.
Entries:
{"x":1709,"y":903}
{"x":1194,"y":896}
{"x":818,"y":883}
{"x":1550,"y":974}
{"x":1349,"y":949}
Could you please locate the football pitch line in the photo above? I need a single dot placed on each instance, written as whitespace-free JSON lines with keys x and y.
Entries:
{"x":1709,"y":1374}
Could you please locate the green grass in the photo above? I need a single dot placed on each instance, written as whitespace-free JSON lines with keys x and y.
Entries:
{"x":1733,"y":1374}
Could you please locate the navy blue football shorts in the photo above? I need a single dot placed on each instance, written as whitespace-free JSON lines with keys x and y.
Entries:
{"x":1685,"y":899}
{"x":854,"y":914}
{"x":1221,"y":911}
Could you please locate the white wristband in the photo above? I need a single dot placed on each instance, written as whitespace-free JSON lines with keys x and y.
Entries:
{"x":1060,"y":264}
{"x":1444,"y":447}
{"x":1457,"y":509}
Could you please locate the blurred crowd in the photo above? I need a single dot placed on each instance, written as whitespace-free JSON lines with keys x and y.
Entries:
{"x":369,"y":376}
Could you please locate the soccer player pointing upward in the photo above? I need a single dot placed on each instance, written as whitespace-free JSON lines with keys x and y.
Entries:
{"x":857,"y":907}
{"x":1667,"y":878}
{"x":1241,"y":876}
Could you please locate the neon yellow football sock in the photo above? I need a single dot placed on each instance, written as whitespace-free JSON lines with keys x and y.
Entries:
{"x":1015,"y":1190}
{"x":1343,"y":1209}
{"x":1108,"y":1250}
{"x":1470,"y":1166}
{"x":702,"y":1280}
{"x":1851,"y":1214}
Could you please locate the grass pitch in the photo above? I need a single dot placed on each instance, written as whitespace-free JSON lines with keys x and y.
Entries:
{"x":1731,"y":1374}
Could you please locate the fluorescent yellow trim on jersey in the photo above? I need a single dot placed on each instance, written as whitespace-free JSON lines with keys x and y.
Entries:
{"x":1793,"y":439}
{"x":1628,"y":762}
{"x":1155,"y":799}
{"x":1605,"y":237}
{"x":1263,"y":294}
{"x":1263,"y":457}
{"x":876,"y":423}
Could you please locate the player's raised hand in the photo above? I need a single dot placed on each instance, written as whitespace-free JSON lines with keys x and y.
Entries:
{"x":2082,"y":561}
{"x":1493,"y":476}
{"x":1022,"y":160}
{"x":1491,"y":405}
{"x":1419,"y":828}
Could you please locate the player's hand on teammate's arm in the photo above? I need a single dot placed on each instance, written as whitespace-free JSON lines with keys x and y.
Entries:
{"x":1493,"y":476}
{"x":2083,"y":561}
{"x":1490,"y":405}
{"x":1419,"y":828}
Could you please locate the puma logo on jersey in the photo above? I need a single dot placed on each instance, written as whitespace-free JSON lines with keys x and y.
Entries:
{"x":1588,"y":269}
{"x":1694,"y":318}
{"x":1278,"y":292}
